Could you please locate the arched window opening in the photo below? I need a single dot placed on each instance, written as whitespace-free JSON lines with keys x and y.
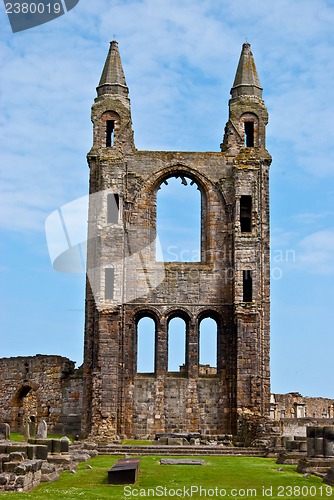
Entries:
{"x":208,"y":338}
{"x":179,"y":216}
{"x":177,"y":345}
{"x":146,"y":345}
{"x":23,"y":392}
{"x":108,"y":129}
{"x":249,"y":129}
{"x":25,"y":407}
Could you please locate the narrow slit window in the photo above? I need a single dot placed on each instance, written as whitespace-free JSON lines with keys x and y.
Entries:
{"x":112,"y":208}
{"x":247,"y":286}
{"x":177,"y":345}
{"x":249,"y":134}
{"x":110,"y":125}
{"x":246,"y":214}
{"x":208,"y":336}
{"x":109,"y":283}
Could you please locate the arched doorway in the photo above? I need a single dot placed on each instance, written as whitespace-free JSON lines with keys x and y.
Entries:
{"x":25,"y":404}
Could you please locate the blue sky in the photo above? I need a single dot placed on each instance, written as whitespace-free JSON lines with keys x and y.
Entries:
{"x":180,"y":59}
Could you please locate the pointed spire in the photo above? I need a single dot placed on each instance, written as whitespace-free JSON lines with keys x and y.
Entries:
{"x":246,"y":79}
{"x":112,"y":79}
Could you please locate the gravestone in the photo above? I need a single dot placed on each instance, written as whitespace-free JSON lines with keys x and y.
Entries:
{"x":32,"y":426}
{"x":64,"y":444}
{"x":42,"y":430}
{"x":4,"y":431}
{"x":26,"y":429}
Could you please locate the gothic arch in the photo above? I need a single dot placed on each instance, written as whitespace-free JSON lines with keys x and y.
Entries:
{"x":25,"y":404}
{"x":178,"y":312}
{"x":147,"y":311}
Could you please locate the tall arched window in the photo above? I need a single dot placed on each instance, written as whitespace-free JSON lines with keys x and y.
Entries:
{"x":208,"y":338}
{"x":146,"y":345}
{"x":176,"y":345}
{"x":179,"y":220}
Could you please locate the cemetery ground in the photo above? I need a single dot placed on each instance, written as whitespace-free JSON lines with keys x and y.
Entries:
{"x":221,"y":477}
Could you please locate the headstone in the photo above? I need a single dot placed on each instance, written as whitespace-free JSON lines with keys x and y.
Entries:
{"x":32,"y":426}
{"x":4,"y":431}
{"x":42,"y":430}
{"x":26,"y":429}
{"x":64,"y":444}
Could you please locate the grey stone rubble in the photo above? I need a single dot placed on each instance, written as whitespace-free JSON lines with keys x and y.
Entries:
{"x":193,"y":439}
{"x":25,"y":465}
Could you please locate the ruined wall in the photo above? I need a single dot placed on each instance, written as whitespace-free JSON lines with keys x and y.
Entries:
{"x":43,"y":387}
{"x":296,"y":412}
{"x":293,"y":405}
{"x":124,"y":247}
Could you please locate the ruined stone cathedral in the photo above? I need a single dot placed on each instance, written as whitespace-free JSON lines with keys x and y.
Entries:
{"x":126,"y":281}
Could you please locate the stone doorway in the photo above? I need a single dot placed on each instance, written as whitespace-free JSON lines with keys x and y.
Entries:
{"x":25,"y":405}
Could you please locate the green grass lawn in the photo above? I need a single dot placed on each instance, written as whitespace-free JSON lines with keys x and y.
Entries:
{"x":229,"y":477}
{"x":234,"y":477}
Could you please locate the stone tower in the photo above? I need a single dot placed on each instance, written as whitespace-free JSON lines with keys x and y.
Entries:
{"x":126,"y":283}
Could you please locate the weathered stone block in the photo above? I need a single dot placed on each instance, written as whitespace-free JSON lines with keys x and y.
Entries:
{"x":41,"y":452}
{"x":17,"y":448}
{"x":17,"y":456}
{"x":10,"y":466}
{"x":56,"y":446}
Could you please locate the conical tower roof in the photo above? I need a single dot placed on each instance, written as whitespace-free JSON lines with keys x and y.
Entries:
{"x":112,"y":79}
{"x":246,"y":80}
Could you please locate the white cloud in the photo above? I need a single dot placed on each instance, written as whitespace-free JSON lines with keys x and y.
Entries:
{"x":316,"y":252}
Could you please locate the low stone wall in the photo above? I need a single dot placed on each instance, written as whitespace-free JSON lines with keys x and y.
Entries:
{"x":24,"y":466}
{"x":19,"y":475}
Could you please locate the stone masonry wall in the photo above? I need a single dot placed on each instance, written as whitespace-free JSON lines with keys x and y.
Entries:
{"x":43,"y":387}
{"x":295,"y":406}
{"x":200,"y":414}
